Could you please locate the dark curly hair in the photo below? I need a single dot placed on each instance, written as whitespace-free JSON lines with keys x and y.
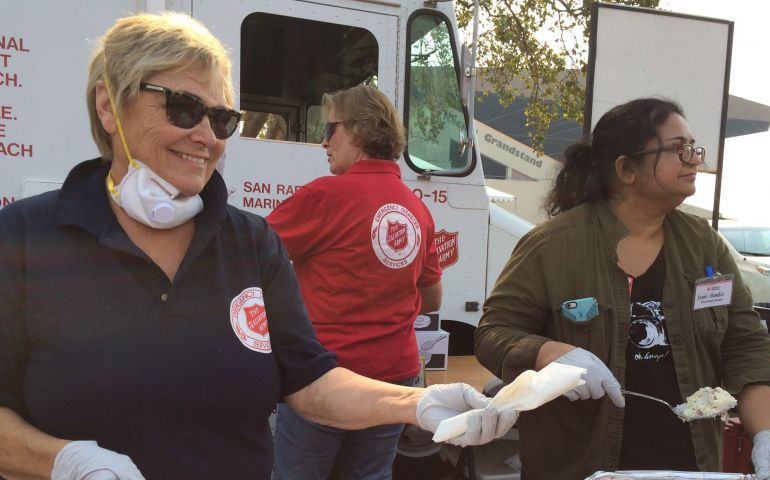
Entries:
{"x":588,"y":173}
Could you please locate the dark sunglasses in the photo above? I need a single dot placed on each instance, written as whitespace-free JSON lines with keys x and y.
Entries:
{"x":329,"y":129}
{"x":684,"y":150}
{"x":185,"y":110}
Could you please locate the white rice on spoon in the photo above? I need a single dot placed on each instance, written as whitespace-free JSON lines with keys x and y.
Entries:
{"x":706,"y":403}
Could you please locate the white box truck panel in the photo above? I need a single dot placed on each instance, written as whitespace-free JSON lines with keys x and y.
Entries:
{"x":285,"y":54}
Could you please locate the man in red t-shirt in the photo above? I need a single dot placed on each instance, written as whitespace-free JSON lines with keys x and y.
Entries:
{"x":362,"y":247}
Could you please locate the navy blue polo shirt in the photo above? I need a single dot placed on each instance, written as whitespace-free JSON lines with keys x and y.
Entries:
{"x":97,"y":344}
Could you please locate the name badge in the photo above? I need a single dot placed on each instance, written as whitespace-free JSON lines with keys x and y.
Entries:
{"x":713,"y":291}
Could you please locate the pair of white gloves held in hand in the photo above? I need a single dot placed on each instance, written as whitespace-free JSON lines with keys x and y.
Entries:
{"x":444,"y":401}
{"x":485,"y":424}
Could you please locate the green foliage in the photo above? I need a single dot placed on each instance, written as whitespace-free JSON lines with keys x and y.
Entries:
{"x":537,"y":49}
{"x":433,"y":88}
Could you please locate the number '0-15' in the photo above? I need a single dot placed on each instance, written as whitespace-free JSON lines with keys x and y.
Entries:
{"x":438,"y":196}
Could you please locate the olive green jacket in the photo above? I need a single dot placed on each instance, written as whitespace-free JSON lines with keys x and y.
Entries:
{"x":574,"y":256}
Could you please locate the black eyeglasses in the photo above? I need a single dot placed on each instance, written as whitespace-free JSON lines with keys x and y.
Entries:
{"x":329,"y":129}
{"x":185,"y":110}
{"x":685,"y":151}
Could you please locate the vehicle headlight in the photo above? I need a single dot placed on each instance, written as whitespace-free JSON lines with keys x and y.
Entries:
{"x":764,"y":270}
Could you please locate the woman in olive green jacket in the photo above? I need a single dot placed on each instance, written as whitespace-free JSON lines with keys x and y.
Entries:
{"x":613,"y":283}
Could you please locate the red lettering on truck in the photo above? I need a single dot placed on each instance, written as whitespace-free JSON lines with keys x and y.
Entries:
{"x":12,"y":43}
{"x":250,"y":202}
{"x":258,"y":187}
{"x":15,"y":150}
{"x":286,"y":189}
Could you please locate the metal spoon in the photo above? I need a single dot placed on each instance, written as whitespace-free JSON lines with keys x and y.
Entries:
{"x":678,"y":410}
{"x":648,"y":397}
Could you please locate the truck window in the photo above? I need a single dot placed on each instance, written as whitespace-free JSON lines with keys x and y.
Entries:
{"x":436,"y":119}
{"x":288,"y":63}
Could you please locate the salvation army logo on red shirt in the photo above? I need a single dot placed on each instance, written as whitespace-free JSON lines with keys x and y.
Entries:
{"x":396,"y":239}
{"x":249,"y":320}
{"x":447,"y":248}
{"x":396,"y":236}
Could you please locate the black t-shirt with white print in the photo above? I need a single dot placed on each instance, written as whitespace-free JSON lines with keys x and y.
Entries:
{"x":653,"y":437}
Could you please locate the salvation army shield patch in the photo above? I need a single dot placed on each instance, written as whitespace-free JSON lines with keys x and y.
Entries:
{"x":249,"y":320}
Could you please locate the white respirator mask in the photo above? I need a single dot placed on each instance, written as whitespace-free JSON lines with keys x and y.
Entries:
{"x":149,"y":199}
{"x":144,"y":195}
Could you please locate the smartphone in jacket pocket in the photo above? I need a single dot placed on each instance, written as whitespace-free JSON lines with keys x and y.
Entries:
{"x":580,"y":309}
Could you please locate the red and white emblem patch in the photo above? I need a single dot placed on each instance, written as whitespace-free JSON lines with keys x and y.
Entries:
{"x":396,"y":236}
{"x":249,"y":320}
{"x":447,"y":248}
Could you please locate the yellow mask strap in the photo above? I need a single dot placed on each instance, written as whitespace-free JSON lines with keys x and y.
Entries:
{"x":119,"y":125}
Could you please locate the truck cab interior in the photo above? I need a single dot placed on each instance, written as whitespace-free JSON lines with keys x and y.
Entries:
{"x":305,"y":58}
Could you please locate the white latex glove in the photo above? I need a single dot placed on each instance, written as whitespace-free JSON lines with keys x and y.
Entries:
{"x":760,"y":454}
{"x":445,"y":401}
{"x":599,"y":380}
{"x":85,"y":460}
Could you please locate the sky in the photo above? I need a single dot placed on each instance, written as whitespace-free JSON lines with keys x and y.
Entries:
{"x":746,"y":165}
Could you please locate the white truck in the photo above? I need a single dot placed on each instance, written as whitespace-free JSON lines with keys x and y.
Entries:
{"x":286,"y":54}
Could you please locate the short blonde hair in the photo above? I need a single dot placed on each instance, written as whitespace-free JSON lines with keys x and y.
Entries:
{"x":142,"y":45}
{"x":371,"y":119}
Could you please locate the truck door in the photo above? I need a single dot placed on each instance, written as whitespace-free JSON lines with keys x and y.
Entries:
{"x":443,"y":169}
{"x":286,"y":54}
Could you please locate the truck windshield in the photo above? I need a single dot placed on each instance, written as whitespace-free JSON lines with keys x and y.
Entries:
{"x":436,"y":118}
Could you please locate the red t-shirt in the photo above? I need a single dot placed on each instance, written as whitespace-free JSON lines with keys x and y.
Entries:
{"x":361,"y":244}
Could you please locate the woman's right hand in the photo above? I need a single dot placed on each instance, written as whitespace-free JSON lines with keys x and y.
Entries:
{"x":85,"y":460}
{"x":598,"y":378}
{"x":444,"y":401}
